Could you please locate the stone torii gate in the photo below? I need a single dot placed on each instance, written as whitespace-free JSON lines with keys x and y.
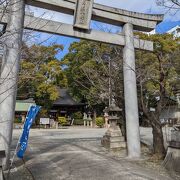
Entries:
{"x":83,"y":11}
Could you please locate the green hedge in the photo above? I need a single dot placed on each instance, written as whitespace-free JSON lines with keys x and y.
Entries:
{"x":62,"y":121}
{"x":77,"y":115}
{"x":100,"y":121}
{"x":18,"y":120}
{"x":78,"y":122}
{"x":78,"y":118}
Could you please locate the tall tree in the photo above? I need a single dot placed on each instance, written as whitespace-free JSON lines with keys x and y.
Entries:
{"x":41,"y":73}
{"x":94,"y":72}
{"x":157,"y":77}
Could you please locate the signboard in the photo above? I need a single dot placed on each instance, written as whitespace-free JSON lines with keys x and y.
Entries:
{"x":44,"y":121}
{"x":83,"y":13}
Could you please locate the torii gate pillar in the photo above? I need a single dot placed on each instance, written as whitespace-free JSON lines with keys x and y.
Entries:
{"x":9,"y":74}
{"x":130,"y":94}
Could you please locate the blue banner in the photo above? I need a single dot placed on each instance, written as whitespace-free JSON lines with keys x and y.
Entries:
{"x":31,"y":115}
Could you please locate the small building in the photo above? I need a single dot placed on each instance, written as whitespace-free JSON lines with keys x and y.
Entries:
{"x":21,"y":109}
{"x":65,"y":105}
{"x":175,"y":31}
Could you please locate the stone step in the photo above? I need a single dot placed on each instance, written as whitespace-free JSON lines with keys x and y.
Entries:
{"x":113,"y":134}
{"x":116,"y":139}
{"x":117,"y":145}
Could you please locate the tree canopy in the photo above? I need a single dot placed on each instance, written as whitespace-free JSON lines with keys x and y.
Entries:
{"x":157,"y":76}
{"x":94,"y":72}
{"x":41,"y":73}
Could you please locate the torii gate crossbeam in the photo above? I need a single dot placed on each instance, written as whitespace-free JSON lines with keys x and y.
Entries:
{"x":58,"y":28}
{"x":114,"y":16}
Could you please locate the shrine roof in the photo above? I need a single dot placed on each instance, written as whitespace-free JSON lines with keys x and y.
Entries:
{"x":65,"y":99}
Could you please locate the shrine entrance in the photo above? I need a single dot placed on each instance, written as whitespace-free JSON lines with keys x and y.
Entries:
{"x":83,"y":12}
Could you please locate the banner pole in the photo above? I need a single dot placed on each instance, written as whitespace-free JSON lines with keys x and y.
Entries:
{"x":15,"y":151}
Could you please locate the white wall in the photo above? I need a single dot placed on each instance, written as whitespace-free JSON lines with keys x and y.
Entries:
{"x":170,"y":112}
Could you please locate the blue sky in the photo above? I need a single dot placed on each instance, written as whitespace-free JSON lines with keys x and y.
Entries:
{"x":171,"y":19}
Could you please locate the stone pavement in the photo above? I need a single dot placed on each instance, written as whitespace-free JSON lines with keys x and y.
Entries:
{"x":75,"y":154}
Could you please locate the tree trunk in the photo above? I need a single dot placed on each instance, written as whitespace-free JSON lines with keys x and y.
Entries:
{"x":9,"y":74}
{"x":158,"y":140}
{"x":123,"y":124}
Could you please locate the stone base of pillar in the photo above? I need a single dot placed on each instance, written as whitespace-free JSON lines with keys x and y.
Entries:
{"x":1,"y":174}
{"x":113,"y":139}
{"x":56,"y":125}
{"x":87,"y":123}
{"x":2,"y":156}
{"x":91,"y":124}
{"x":172,"y":159}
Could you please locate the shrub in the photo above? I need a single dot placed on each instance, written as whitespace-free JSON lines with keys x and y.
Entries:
{"x":78,"y":118}
{"x":77,"y":115}
{"x":62,"y":121}
{"x":78,"y":122}
{"x":100,"y":121}
{"x":43,"y":113}
{"x":18,"y":120}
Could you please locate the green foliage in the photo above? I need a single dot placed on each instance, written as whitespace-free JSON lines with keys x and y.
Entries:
{"x":41,"y":74}
{"x":78,"y":122}
{"x":77,"y":115}
{"x":157,"y":77}
{"x":18,"y":120}
{"x":88,"y":72}
{"x":43,"y":113}
{"x":100,"y":121}
{"x":78,"y":118}
{"x":157,"y":71}
{"x":62,"y":121}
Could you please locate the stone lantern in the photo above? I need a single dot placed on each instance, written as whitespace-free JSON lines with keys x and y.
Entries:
{"x":113,"y":139}
{"x":89,"y":119}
